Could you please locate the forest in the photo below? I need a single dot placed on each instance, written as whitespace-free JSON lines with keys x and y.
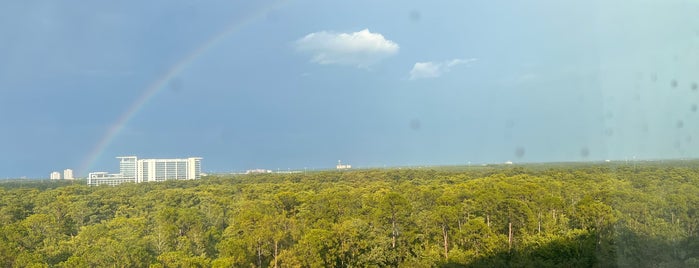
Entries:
{"x":641,"y":214}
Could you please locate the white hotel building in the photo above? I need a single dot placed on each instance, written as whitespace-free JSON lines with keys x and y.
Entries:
{"x":134,"y":170}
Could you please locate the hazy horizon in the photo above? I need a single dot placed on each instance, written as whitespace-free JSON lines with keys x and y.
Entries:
{"x":415,"y":166}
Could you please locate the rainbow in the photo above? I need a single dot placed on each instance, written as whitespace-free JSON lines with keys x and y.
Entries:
{"x":158,"y":84}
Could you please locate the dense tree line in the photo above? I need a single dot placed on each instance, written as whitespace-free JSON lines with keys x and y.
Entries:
{"x":643,"y":215}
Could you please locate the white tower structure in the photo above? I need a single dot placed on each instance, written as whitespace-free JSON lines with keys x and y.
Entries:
{"x":68,"y":174}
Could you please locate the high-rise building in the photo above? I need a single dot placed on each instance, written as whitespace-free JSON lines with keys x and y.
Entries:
{"x":127,"y":166}
{"x":168,"y":169}
{"x":132,"y":169}
{"x":68,"y":174}
{"x":55,"y":175}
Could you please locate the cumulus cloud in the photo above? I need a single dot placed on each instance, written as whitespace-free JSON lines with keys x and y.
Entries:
{"x":432,"y":69}
{"x":360,"y":49}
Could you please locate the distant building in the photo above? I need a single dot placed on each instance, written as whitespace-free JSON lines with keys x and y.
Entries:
{"x":134,"y":170}
{"x":68,"y":174}
{"x":340,"y":166}
{"x":55,"y":175}
{"x":100,"y":178}
{"x":257,"y":171}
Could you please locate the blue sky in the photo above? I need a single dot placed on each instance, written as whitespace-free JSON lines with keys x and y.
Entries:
{"x":305,"y":83}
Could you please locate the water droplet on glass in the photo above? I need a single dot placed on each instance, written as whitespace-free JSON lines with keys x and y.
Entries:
{"x":608,"y":132}
{"x":584,"y":152}
{"x":415,"y":16}
{"x":509,"y":123}
{"x":175,"y":84}
{"x":519,"y":152}
{"x":415,"y":124}
{"x":609,"y":115}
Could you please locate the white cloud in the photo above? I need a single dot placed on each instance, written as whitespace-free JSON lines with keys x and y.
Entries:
{"x":360,"y":49}
{"x":432,"y":69}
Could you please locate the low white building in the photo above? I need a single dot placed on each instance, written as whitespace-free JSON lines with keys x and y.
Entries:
{"x":55,"y":175}
{"x":102,"y":178}
{"x":340,"y":166}
{"x":258,"y":171}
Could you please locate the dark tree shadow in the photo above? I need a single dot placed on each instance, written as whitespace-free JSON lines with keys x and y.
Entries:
{"x":626,"y":249}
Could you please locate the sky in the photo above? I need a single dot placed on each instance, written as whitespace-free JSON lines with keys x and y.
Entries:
{"x":302,"y":84}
